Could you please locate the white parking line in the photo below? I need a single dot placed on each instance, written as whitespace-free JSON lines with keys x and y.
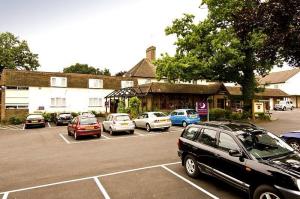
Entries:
{"x":49,"y":125}
{"x":23,"y":127}
{"x":87,"y":178}
{"x":5,"y":195}
{"x":189,"y":182}
{"x":105,"y":136}
{"x":138,"y":133}
{"x":102,"y":189}
{"x":65,"y":139}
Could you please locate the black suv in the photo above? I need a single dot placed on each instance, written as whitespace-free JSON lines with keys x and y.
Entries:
{"x":243,"y":155}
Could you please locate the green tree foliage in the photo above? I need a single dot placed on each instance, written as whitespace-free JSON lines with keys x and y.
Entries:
{"x":134,"y":106}
{"x":121,"y":107}
{"x":121,"y":73}
{"x":217,"y":48}
{"x":15,"y":53}
{"x":86,"y":69}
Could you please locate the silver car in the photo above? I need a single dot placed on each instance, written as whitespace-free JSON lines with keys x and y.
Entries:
{"x":118,"y":122}
{"x":153,"y":120}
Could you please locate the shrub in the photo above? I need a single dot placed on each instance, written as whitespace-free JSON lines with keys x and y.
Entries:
{"x":263,"y":116}
{"x":121,"y":107}
{"x":74,"y":114}
{"x":15,"y":120}
{"x":47,"y":117}
{"x":217,"y":114}
{"x":134,"y":106}
{"x":236,"y":116}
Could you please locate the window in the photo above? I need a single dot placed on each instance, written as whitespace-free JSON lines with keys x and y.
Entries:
{"x":190,"y":133}
{"x":208,"y":137}
{"x":95,"y":102}
{"x":126,"y":84}
{"x":59,"y":81}
{"x":58,"y":102}
{"x":180,"y":113}
{"x":95,"y":83}
{"x":227,"y":143}
{"x":173,"y":113}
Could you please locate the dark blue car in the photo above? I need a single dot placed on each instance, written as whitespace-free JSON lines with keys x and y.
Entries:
{"x":293,"y":139}
{"x":184,"y":117}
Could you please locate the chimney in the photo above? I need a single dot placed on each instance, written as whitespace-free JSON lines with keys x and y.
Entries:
{"x":150,"y":53}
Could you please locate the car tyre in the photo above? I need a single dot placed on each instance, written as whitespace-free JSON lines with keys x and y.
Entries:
{"x":98,"y":135}
{"x":69,"y":133}
{"x":284,"y":109}
{"x":191,"y":166}
{"x":111,"y":131}
{"x":131,"y":132}
{"x":167,"y":128}
{"x":266,"y":191}
{"x":294,"y":144}
{"x":184,"y":124}
{"x":148,"y":127}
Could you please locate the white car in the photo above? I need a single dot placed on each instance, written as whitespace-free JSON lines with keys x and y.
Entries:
{"x":153,"y":120}
{"x":284,"y":105}
{"x":118,"y":122}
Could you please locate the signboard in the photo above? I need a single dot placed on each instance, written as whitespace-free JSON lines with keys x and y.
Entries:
{"x":258,"y":107}
{"x":202,"y":107}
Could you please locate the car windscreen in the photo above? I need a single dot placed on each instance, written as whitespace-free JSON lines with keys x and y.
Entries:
{"x":88,"y":120}
{"x":191,"y":112}
{"x":264,"y":145}
{"x":122,"y":118}
{"x":35,"y":117}
{"x":157,"y":115}
{"x":282,"y":102}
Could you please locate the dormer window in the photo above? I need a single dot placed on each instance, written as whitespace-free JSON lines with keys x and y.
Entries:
{"x":95,"y":83}
{"x":58,"y":82}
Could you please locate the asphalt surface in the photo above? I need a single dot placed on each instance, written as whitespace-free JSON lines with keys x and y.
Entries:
{"x":47,"y":163}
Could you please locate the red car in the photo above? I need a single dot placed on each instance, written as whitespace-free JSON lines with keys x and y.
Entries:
{"x":84,"y":126}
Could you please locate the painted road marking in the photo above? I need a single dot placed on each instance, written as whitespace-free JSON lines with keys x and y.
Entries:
{"x":5,"y":195}
{"x":23,"y":127}
{"x":140,"y":134}
{"x":49,"y":125}
{"x":88,"y":178}
{"x":65,"y":139}
{"x":102,"y":189}
{"x":105,"y":136}
{"x":189,"y":182}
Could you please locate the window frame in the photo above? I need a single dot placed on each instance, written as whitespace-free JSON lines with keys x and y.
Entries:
{"x":99,"y":99}
{"x":56,"y":83}
{"x":216,"y":137}
{"x":92,"y":83}
{"x":55,"y":100}
{"x":233,"y":138}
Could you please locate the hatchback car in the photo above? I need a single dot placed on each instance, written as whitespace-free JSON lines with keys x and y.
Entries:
{"x":118,"y":122}
{"x":35,"y":120}
{"x":184,"y":117}
{"x":63,"y":118}
{"x":153,"y":120}
{"x":254,"y":161}
{"x":84,"y":126}
{"x":293,"y":139}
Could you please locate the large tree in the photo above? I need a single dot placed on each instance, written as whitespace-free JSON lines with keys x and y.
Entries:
{"x":86,"y":69}
{"x":15,"y":53}
{"x":224,"y":47}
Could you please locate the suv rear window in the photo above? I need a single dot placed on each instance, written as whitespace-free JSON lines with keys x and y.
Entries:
{"x":88,"y":120}
{"x":190,"y":133}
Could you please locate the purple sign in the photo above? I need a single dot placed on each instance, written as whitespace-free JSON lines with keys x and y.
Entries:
{"x":202,"y":107}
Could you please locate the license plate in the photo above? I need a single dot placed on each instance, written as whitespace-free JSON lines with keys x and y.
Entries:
{"x":34,"y":121}
{"x":194,"y":116}
{"x":162,"y":120}
{"x":124,"y":124}
{"x":89,"y":127}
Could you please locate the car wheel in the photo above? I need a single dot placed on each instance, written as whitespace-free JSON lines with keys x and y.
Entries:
{"x":111,"y":131}
{"x":191,"y":166}
{"x":266,"y":192}
{"x":184,"y":124}
{"x":69,"y":133}
{"x":131,"y":132}
{"x":75,"y":135}
{"x":167,"y":128}
{"x":284,"y":109}
{"x":98,"y":135}
{"x":292,"y":108}
{"x":294,"y":144}
{"x":148,"y":127}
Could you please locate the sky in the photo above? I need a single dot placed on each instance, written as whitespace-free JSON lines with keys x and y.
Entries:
{"x":112,"y":34}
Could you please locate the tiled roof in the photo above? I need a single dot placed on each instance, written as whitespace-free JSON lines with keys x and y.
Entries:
{"x":268,"y":92}
{"x":182,"y":88}
{"x":143,"y":69}
{"x":278,"y":77}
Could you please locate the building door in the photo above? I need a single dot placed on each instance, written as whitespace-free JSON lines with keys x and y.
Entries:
{"x":221,"y":103}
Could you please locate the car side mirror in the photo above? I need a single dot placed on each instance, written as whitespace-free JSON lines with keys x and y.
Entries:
{"x":236,"y":153}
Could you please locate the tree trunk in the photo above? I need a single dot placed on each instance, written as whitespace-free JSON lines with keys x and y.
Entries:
{"x":248,"y":89}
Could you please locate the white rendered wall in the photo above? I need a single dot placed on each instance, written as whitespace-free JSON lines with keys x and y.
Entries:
{"x":77,"y":100}
{"x":292,"y":86}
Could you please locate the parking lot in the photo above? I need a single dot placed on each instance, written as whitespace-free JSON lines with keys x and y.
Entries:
{"x":47,"y":163}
